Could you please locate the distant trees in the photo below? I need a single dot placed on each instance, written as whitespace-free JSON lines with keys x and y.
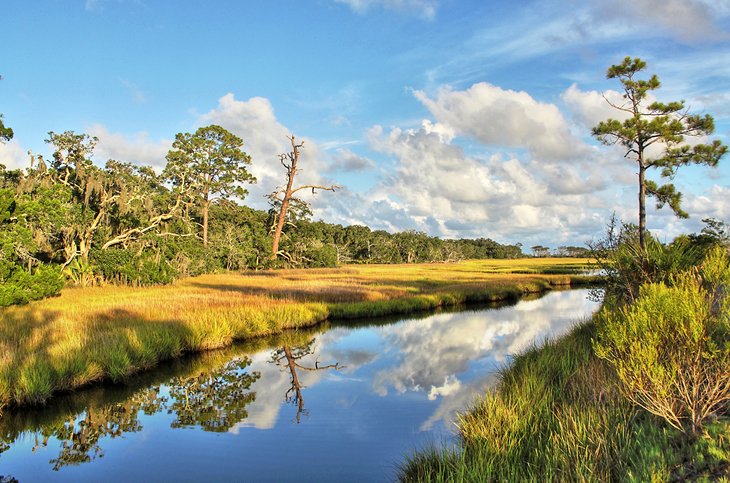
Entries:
{"x":211,"y":164}
{"x":283,"y":197}
{"x":653,"y":134}
{"x":540,"y":251}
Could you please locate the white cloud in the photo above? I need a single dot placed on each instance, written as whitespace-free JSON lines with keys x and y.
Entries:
{"x":591,"y":107}
{"x":688,"y":20}
{"x":436,"y":187}
{"x":138,"y":96}
{"x":264,"y":139}
{"x":499,"y":117}
{"x":422,"y":8}
{"x":13,"y":156}
{"x":714,"y":203}
{"x":137,"y":148}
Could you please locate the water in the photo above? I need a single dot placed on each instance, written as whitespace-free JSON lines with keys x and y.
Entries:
{"x":340,"y":403}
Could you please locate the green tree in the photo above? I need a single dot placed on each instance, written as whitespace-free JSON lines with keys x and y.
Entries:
{"x":659,"y":126}
{"x":6,"y":134}
{"x":212,"y":163}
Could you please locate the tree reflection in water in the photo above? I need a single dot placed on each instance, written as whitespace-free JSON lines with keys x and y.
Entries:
{"x":215,"y":400}
{"x":288,"y":358}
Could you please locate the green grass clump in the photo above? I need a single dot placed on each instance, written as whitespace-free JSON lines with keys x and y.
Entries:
{"x":558,"y":415}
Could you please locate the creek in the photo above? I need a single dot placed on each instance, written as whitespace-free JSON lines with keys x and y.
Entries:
{"x":342,"y":402}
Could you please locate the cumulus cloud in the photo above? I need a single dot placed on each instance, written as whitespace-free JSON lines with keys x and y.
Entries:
{"x":423,"y":8}
{"x":436,"y":187}
{"x":499,"y":117}
{"x":13,"y":156}
{"x":714,"y":203}
{"x":346,"y":160}
{"x":265,"y":138}
{"x":136,"y":148}
{"x":591,"y":107}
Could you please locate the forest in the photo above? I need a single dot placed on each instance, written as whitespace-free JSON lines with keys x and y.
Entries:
{"x":65,"y":220}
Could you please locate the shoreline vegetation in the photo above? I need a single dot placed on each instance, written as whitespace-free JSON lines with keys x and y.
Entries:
{"x":87,"y":335}
{"x":558,"y":414}
{"x":639,"y":392}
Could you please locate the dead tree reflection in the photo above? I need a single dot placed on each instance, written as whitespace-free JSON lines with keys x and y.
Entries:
{"x":288,"y":358}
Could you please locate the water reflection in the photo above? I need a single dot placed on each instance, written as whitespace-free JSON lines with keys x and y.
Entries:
{"x":214,"y":400}
{"x":288,"y":358}
{"x":375,"y":391}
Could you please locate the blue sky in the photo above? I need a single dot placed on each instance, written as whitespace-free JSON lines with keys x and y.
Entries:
{"x":455,"y":117}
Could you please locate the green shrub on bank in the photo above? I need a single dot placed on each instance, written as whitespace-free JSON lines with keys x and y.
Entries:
{"x":671,"y":347}
{"x":21,"y":286}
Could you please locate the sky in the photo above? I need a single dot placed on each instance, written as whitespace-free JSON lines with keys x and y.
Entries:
{"x":458,"y":118}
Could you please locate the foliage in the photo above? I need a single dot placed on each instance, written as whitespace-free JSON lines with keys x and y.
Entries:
{"x":557,"y":415}
{"x":208,"y":165}
{"x":21,"y":286}
{"x":627,"y":266}
{"x":6,"y":133}
{"x":671,"y":347}
{"x":124,"y":224}
{"x":658,"y":126}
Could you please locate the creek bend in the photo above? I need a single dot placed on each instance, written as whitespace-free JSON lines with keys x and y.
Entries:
{"x":342,"y":402}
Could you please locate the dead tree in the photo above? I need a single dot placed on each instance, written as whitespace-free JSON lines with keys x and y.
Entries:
{"x":286,"y":195}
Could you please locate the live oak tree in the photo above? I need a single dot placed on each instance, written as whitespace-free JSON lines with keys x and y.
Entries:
{"x":213,"y":165}
{"x":284,"y":197}
{"x":661,"y":127}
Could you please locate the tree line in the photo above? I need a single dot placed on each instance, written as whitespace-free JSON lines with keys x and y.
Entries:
{"x":65,"y":219}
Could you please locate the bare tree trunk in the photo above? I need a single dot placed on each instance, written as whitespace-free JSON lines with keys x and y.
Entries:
{"x":642,"y":206}
{"x":282,"y":218}
{"x":206,"y":207}
{"x":291,"y":169}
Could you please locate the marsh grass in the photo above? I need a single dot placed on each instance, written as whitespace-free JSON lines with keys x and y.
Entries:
{"x":90,"y":334}
{"x":558,"y":415}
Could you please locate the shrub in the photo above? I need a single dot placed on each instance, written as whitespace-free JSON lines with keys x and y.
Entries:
{"x":22,"y":286}
{"x":627,"y":266}
{"x":671,"y":347}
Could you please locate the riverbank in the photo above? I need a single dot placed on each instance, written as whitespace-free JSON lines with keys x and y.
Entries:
{"x":557,"y":415}
{"x":107,"y":333}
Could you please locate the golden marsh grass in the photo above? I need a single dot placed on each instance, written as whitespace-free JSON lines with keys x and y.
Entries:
{"x":89,"y":334}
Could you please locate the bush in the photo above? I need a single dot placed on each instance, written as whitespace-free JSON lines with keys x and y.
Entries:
{"x":21,"y":286}
{"x":127,"y":267}
{"x":671,"y":347}
{"x":627,"y":266}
